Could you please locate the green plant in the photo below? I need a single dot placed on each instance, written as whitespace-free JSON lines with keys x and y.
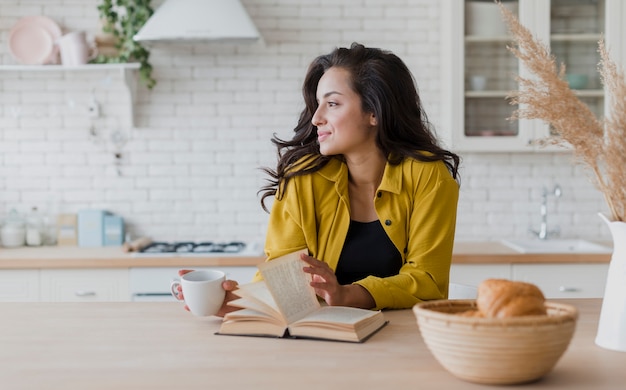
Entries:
{"x":123,"y":19}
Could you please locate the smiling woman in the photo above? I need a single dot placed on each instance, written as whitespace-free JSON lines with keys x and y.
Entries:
{"x":364,"y":186}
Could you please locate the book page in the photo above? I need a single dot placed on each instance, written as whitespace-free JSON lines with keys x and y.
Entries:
{"x":339,"y":323}
{"x":257,"y":291}
{"x":257,"y":297}
{"x":339,"y":314}
{"x":251,"y":323}
{"x":289,"y":286}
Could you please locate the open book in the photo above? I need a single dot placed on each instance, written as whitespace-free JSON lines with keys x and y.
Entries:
{"x":285,"y":305}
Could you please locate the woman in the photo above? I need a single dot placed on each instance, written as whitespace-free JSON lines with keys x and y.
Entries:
{"x":364,"y":186}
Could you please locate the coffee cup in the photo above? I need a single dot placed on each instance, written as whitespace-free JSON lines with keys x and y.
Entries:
{"x":478,"y":83}
{"x":75,"y":50}
{"x":202,"y":291}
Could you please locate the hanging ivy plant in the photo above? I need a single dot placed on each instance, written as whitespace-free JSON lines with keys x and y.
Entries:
{"x":123,"y":19}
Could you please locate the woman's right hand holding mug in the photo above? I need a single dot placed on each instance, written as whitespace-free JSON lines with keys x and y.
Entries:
{"x":228,"y":285}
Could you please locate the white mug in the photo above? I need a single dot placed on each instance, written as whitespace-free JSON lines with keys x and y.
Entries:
{"x":75,"y":50}
{"x":478,"y":83}
{"x":202,"y":291}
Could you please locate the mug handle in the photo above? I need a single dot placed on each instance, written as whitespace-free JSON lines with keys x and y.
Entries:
{"x":93,"y":52}
{"x":174,"y":288}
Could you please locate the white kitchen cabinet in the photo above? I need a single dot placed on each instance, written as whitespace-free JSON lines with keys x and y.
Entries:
{"x":85,"y":285}
{"x":564,"y":281}
{"x":20,"y":285}
{"x":473,"y":274}
{"x":478,"y":71}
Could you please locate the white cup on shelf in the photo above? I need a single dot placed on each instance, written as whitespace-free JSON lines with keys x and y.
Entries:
{"x":75,"y":50}
{"x":478,"y":83}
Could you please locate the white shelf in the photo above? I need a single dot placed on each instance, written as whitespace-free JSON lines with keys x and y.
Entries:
{"x":558,"y":37}
{"x":487,"y":94}
{"x":57,"y":68}
{"x":575,"y":37}
{"x":589,"y":92}
{"x":487,"y":39}
{"x":128,"y":73}
{"x":504,"y":94}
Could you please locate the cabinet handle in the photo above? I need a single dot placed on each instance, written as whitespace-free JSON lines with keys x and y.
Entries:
{"x":569,"y":289}
{"x":82,"y":293}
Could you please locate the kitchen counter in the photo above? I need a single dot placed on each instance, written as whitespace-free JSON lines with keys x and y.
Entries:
{"x":107,"y":257}
{"x":113,"y":257}
{"x":161,"y":346}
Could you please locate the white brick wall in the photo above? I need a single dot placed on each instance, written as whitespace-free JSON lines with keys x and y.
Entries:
{"x":190,"y":167}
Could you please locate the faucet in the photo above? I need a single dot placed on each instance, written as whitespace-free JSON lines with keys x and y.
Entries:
{"x":543,"y":233}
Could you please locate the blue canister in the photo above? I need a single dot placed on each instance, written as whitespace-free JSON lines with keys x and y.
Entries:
{"x":113,"y":230}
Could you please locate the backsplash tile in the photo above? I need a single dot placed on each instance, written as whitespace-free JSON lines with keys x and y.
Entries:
{"x":189,"y":169}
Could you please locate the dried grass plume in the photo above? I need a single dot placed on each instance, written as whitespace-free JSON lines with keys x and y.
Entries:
{"x":600,"y":144}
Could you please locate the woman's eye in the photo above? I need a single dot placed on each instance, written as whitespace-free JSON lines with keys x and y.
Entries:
{"x":332,"y":104}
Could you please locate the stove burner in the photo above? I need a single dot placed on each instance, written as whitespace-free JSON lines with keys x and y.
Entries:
{"x":192,"y":247}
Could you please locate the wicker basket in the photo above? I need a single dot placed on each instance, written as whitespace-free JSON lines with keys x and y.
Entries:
{"x":495,"y":351}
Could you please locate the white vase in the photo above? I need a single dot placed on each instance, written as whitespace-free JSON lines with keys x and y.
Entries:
{"x":612,"y":325}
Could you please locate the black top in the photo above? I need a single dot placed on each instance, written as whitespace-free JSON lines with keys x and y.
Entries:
{"x":367,"y":251}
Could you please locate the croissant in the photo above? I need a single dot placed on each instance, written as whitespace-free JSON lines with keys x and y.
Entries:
{"x":501,"y":298}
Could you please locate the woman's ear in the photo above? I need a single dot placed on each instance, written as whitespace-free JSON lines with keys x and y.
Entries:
{"x":373,"y":120}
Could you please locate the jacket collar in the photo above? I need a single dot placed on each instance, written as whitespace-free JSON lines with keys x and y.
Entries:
{"x":337,"y":171}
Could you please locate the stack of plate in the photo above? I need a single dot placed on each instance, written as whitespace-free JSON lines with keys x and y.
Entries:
{"x":33,"y":41}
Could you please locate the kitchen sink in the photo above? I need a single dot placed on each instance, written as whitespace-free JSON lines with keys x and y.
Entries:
{"x":556,"y":246}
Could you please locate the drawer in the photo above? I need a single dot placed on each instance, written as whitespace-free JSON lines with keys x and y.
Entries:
{"x":564,"y":280}
{"x":473,"y":274}
{"x":84,"y":285}
{"x":19,"y":285}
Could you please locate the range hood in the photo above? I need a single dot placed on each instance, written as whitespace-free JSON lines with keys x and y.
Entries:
{"x":199,"y":20}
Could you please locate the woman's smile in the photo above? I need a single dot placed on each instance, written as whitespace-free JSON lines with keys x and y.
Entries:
{"x":322,"y":135}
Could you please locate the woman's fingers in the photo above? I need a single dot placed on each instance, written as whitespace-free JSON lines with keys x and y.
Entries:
{"x":181,"y":272}
{"x":315,"y":266}
{"x":230,"y":285}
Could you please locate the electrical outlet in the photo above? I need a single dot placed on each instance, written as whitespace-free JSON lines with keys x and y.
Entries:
{"x":93,"y":108}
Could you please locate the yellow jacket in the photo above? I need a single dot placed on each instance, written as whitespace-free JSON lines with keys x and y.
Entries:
{"x":416,"y":204}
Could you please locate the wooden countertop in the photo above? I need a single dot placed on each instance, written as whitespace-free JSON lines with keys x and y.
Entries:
{"x":113,"y":257}
{"x":143,"y":345}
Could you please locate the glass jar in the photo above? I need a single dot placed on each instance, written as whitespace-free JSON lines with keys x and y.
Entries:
{"x":13,"y":232}
{"x":34,"y":228}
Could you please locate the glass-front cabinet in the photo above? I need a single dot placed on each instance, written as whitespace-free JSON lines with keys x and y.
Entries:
{"x":479,"y":72}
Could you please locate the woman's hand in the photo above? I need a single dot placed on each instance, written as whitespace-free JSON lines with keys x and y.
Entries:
{"x":228,"y":285}
{"x":328,"y":288}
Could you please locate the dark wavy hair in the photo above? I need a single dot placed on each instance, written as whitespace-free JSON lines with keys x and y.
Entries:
{"x":387,"y":89}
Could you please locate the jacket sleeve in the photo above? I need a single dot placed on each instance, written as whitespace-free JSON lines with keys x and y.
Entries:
{"x":426,"y":271}
{"x":284,"y":231}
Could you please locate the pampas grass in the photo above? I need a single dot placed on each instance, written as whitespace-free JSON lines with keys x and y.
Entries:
{"x":600,"y":144}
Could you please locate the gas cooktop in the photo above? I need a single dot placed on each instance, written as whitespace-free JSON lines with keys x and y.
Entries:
{"x":199,"y":249}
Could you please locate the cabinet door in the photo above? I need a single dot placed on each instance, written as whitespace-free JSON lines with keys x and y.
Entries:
{"x":84,"y":285}
{"x":19,"y":285}
{"x":473,"y":274}
{"x":479,"y":71}
{"x":564,"y":280}
{"x":573,"y":29}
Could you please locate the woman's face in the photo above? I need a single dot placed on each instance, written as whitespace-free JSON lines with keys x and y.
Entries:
{"x":342,"y":126}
